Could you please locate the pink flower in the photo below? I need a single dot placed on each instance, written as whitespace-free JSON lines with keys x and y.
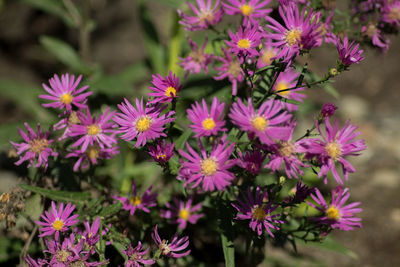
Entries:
{"x":251,"y":161}
{"x":349,"y":53}
{"x":162,"y":151}
{"x":205,"y":15}
{"x":171,"y":249}
{"x":251,"y":10}
{"x":245,"y":42}
{"x":165,"y":89}
{"x":197,"y":60}
{"x":182,"y":213}
{"x":135,"y":256}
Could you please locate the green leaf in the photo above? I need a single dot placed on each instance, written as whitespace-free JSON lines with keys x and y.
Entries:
{"x":226,"y":228}
{"x":172,"y":3}
{"x":54,"y":7}
{"x":229,"y":251}
{"x":175,"y":45}
{"x":111,"y":209}
{"x":180,"y":142}
{"x":63,"y":196}
{"x":65,"y":53}
{"x":331,"y":244}
{"x":119,"y":247}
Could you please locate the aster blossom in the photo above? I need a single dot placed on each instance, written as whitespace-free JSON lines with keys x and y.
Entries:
{"x":173,"y":249}
{"x":252,"y":207}
{"x":135,"y":256}
{"x":57,"y":220}
{"x":143,"y":122}
{"x":251,"y":10}
{"x":335,"y":145}
{"x":164,"y":90}
{"x":94,"y":130}
{"x":91,"y":234}
{"x":328,"y":110}
{"x":36,"y":147}
{"x":336,"y":214}
{"x":299,"y":193}
{"x":375,"y":34}
{"x":349,"y":53}
{"x":207,"y":122}
{"x":266,"y":55}
{"x":182,"y":212}
{"x":245,"y":41}
{"x":161,"y":152}
{"x":204,"y":15}
{"x":64,"y":92}
{"x":267,"y":123}
{"x":209,"y":169}
{"x":135,"y":202}
{"x":251,"y":161}
{"x":197,"y":60}
{"x":391,"y":12}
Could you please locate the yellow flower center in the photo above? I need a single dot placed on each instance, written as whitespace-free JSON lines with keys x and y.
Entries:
{"x":78,"y":263}
{"x":280,"y":87}
{"x":259,"y":123}
{"x":258,"y":213}
{"x":333,"y":150}
{"x":165,"y":249}
{"x":205,"y":16}
{"x":62,"y":255}
{"x":394,"y":13}
{"x":93,"y":152}
{"x":209,"y":166}
{"x":171,"y":92}
{"x":93,"y":129}
{"x":293,"y":37}
{"x":208,"y":124}
{"x":58,"y":224}
{"x":162,"y":156}
{"x":243,"y":43}
{"x":267,"y":55}
{"x":144,"y":123}
{"x":135,"y":201}
{"x":286,"y":149}
{"x":333,"y":213}
{"x":38,"y":145}
{"x":234,"y":69}
{"x":184,"y":214}
{"x":246,"y":10}
{"x":66,"y":98}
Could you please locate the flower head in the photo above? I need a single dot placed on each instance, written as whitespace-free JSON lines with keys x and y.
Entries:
{"x":36,"y":147}
{"x":182,"y":212}
{"x":245,"y":41}
{"x":253,"y":208}
{"x":164,"y":90}
{"x":251,"y":10}
{"x":197,"y":60}
{"x":231,"y":69}
{"x":372,"y":32}
{"x":162,"y":151}
{"x":210,"y":169}
{"x":133,"y":201}
{"x":91,"y":234}
{"x":64,"y":92}
{"x":336,"y":214}
{"x":328,"y":110}
{"x":171,"y":249}
{"x":349,"y":53}
{"x":267,"y":53}
{"x":299,"y":193}
{"x":205,"y":15}
{"x":135,"y":256}
{"x":251,"y":161}
{"x":57,"y":221}
{"x":391,"y":12}
{"x":143,"y":122}
{"x":205,"y":122}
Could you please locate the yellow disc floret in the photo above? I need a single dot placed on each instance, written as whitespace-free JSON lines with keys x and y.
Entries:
{"x":280,"y":87}
{"x":246,"y":10}
{"x":135,"y":201}
{"x":293,"y":37}
{"x":66,"y":98}
{"x":184,"y":214}
{"x":286,"y":149}
{"x":58,"y":224}
{"x":333,"y":213}
{"x":144,"y":123}
{"x":38,"y":145}
{"x":93,"y":152}
{"x":243,"y":43}
{"x":209,"y":166}
{"x":93,"y":129}
{"x":258,"y":213}
{"x":208,"y":124}
{"x":234,"y":69}
{"x":259,"y":123}
{"x":267,"y":55}
{"x":171,"y":92}
{"x":333,"y":150}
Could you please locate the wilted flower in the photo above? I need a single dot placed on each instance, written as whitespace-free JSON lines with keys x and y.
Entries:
{"x":251,"y":161}
{"x":135,"y":256}
{"x":300,"y":193}
{"x":205,"y":16}
{"x":197,"y":60}
{"x":164,"y":90}
{"x":173,"y":249}
{"x":328,"y":110}
{"x":182,"y":213}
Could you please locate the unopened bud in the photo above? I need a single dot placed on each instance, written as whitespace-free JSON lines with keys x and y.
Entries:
{"x":333,"y":72}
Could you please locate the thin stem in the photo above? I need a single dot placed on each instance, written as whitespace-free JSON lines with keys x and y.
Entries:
{"x":25,"y":249}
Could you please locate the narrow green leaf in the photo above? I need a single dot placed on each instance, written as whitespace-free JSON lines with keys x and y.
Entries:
{"x":54,"y":7}
{"x":120,"y":247}
{"x":65,"y":53}
{"x":229,"y":251}
{"x":331,"y":244}
{"x":180,"y":142}
{"x":111,"y":209}
{"x":63,"y":196}
{"x":227,"y":235}
{"x":175,"y":45}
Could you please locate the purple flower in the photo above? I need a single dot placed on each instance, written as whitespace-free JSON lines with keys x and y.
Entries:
{"x":265,"y":123}
{"x":245,"y":41}
{"x":182,"y":213}
{"x":371,"y":31}
{"x":142,"y":122}
{"x":57,"y":221}
{"x":91,"y":156}
{"x":205,"y":123}
{"x":64,"y":93}
{"x":250,"y":9}
{"x":94,"y":131}
{"x":349,"y":53}
{"x":69,"y":118}
{"x":173,"y":249}
{"x":325,"y":30}
{"x":334,"y":147}
{"x":230,"y":69}
{"x":162,"y":151}
{"x":337,"y":214}
{"x":267,"y":53}
{"x":210,"y":169}
{"x":328,"y":110}
{"x":252,"y":207}
{"x":287,"y":80}
{"x":36,"y":147}
{"x":165,"y":89}
{"x":205,"y":16}
{"x":91,"y":235}
{"x":197,"y":60}
{"x":300,"y":31}
{"x":391,"y":12}
{"x":135,"y":256}
{"x":299,"y":193}
{"x":32,"y":263}
{"x":251,"y":161}
{"x":134,"y":201}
